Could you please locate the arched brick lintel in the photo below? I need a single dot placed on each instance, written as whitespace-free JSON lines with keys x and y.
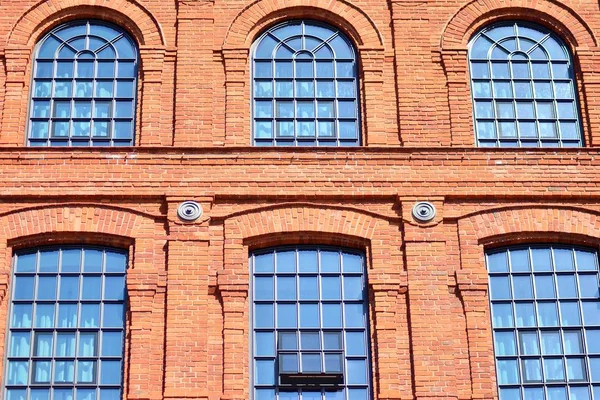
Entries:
{"x":523,"y":224}
{"x":563,"y":20}
{"x":76,"y":218}
{"x":260,"y":14}
{"x":44,"y":15}
{"x":314,"y":224}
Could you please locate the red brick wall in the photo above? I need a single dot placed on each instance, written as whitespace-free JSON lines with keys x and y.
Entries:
{"x":188,"y":324}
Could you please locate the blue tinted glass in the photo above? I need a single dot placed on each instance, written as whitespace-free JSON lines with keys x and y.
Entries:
{"x":352,"y":262}
{"x":112,"y":343}
{"x":46,"y":288}
{"x":354,"y":315}
{"x":309,"y":315}
{"x":263,"y":316}
{"x":357,"y":371}
{"x":114,"y":288}
{"x":48,"y":261}
{"x":295,"y":53}
{"x":554,"y":369}
{"x":332,"y":315}
{"x":115,"y":262}
{"x":286,"y":261}
{"x":265,"y":372}
{"x":308,"y":288}
{"x":525,"y":313}
{"x":330,"y":261}
{"x":263,"y":288}
{"x":591,"y":313}
{"x":264,"y":344}
{"x":65,"y":345}
{"x":113,"y":315}
{"x":499,"y":287}
{"x":548,"y":314}
{"x":69,"y":287}
{"x":588,"y":286}
{"x":504,"y":343}
{"x":544,"y":286}
{"x":71,"y":260}
{"x":330,"y":288}
{"x":110,"y":372}
{"x":508,"y":372}
{"x":286,"y":288}
{"x":566,"y":286}
{"x":90,"y":316}
{"x":21,"y":315}
{"x":502,"y":315}
{"x":19,"y":344}
{"x":67,"y":315}
{"x":286,"y":316}
{"x":23,"y":287}
{"x":26,"y":262}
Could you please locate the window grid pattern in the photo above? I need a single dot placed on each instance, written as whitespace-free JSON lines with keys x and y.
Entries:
{"x":66,"y":325}
{"x":546,"y":322}
{"x":311,"y":303}
{"x":84,"y":87}
{"x":305,"y":87}
{"x":523,"y":88}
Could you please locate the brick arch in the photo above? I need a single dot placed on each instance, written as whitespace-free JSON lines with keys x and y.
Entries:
{"x":75,"y":218}
{"x":527,"y":223}
{"x":262,"y":13}
{"x":45,"y":14}
{"x":554,"y":14}
{"x":328,"y":224}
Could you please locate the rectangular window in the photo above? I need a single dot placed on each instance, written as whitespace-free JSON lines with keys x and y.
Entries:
{"x":310,"y":325}
{"x":546,"y":322}
{"x":66,"y":325}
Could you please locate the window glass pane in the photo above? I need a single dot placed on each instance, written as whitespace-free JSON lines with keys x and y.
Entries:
{"x":544,"y":355}
{"x":327,"y":285}
{"x":514,"y":75}
{"x":314,"y":71}
{"x":80,"y":77}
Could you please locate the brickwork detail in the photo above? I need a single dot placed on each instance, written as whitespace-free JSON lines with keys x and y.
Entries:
{"x":188,"y":282}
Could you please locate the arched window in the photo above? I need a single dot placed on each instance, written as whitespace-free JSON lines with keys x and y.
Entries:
{"x":305,"y":87}
{"x":523,"y":89}
{"x":310,"y":336}
{"x":546,"y":322}
{"x":84,"y":87}
{"x":66,"y":324}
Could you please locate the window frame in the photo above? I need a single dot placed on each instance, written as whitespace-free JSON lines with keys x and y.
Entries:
{"x":54,"y":329}
{"x":518,"y":352}
{"x":112,"y":119}
{"x":518,"y":139}
{"x":325,"y":382}
{"x":305,"y":141}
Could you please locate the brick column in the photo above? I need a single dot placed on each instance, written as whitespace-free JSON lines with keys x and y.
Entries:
{"x":456,"y":67}
{"x":189,"y":299}
{"x":13,"y":128}
{"x":430,"y":319}
{"x":473,"y":291}
{"x":197,"y":75}
{"x":150,"y":101}
{"x":236,"y":367}
{"x":430,"y":303}
{"x":589,"y":94}
{"x":237,"y":97}
{"x":390,"y":361}
{"x":372,"y":62}
{"x":146,"y":287}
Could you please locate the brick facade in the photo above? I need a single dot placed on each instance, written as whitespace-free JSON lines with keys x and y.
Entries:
{"x":187,"y":320}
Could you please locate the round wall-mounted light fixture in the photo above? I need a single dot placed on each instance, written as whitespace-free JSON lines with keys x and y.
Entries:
{"x":423,"y":211}
{"x":189,"y":211}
